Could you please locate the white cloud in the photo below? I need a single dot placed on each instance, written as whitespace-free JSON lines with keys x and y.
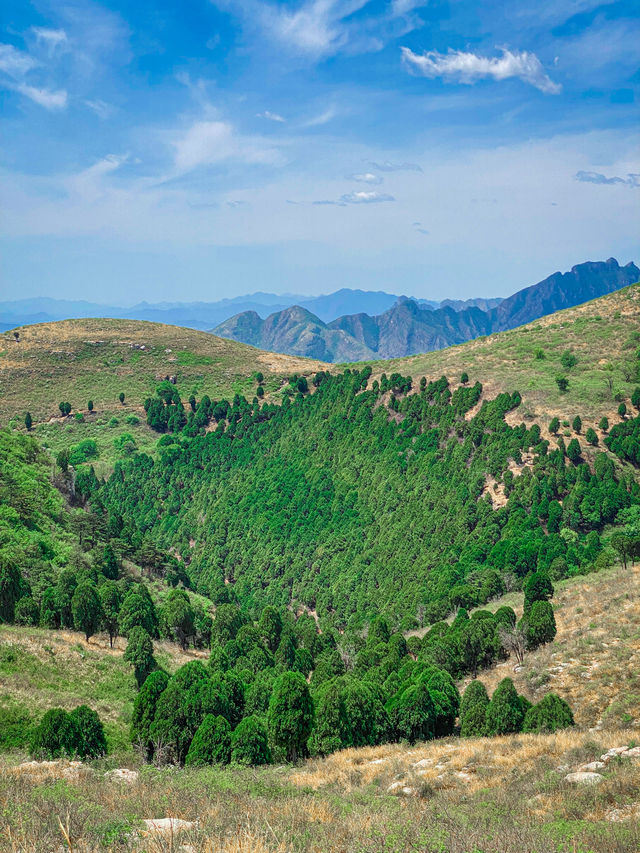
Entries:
{"x":53,"y":38}
{"x":632,"y":179}
{"x":321,"y":28}
{"x":366,"y":178}
{"x":322,"y":118}
{"x":100,"y":108}
{"x":458,"y":66}
{"x":365,"y":197}
{"x":387,"y":166}
{"x":16,"y":65}
{"x":46,"y":98}
{"x":209,"y":142}
{"x":271,"y":116}
{"x":15,"y":62}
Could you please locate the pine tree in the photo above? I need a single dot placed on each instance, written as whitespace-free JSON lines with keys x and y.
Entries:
{"x":549,"y":715}
{"x":249,"y":743}
{"x":539,"y":624}
{"x":473,"y":710}
{"x":291,"y":714}
{"x":110,"y":601}
{"x":504,"y":712}
{"x":332,"y":729}
{"x":28,"y":421}
{"x":211,"y":743}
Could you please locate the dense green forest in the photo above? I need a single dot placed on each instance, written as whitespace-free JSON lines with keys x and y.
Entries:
{"x":360,"y":499}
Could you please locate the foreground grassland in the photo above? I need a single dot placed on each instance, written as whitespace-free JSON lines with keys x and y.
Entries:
{"x":498,"y":795}
{"x":604,"y":336}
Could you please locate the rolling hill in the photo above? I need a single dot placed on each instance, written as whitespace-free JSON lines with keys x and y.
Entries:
{"x":78,"y":360}
{"x":408,"y":327}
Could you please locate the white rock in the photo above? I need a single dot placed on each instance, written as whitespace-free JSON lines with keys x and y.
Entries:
{"x":167,"y":825}
{"x":377,"y":761}
{"x":613,"y":752}
{"x":400,"y":788}
{"x":424,"y":762}
{"x":634,"y":752}
{"x":123,"y":774}
{"x":591,"y":767}
{"x":584,"y":778}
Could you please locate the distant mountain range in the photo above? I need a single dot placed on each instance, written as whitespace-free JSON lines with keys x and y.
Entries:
{"x":408,"y":327}
{"x":201,"y":315}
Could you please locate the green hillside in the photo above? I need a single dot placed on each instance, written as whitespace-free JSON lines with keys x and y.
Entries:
{"x":603,"y":335}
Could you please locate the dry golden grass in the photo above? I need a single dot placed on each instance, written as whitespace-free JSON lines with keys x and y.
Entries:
{"x":78,"y":360}
{"x":594,"y":662}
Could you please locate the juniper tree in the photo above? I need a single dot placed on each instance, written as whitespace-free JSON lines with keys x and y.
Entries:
{"x":249,"y":743}
{"x":139,"y":653}
{"x":291,"y":714}
{"x":505,"y":711}
{"x":211,"y":743}
{"x":473,"y":710}
{"x":86,"y":609}
{"x":549,"y":715}
{"x":144,"y":710}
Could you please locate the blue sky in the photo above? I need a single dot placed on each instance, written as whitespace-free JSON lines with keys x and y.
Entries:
{"x":208,"y":148}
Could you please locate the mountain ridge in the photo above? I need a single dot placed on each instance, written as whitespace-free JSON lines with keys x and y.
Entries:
{"x":408,"y":328}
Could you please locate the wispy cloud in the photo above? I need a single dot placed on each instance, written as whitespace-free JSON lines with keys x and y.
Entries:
{"x":458,"y":66}
{"x":271,"y":116}
{"x":366,"y":178}
{"x":15,"y":67}
{"x":322,"y":118}
{"x":417,"y":226}
{"x":47,"y":98}
{"x":52,"y":38}
{"x":207,"y":143}
{"x":365,"y":197}
{"x":322,"y":28}
{"x":100,"y":108}
{"x":632,"y":179}
{"x":388,"y":166}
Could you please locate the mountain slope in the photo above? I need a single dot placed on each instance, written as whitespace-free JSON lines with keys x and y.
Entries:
{"x":408,"y":328}
{"x":81,"y":360}
{"x":297,"y":331}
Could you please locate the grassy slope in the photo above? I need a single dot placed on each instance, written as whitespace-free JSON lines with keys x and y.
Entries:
{"x":480,"y":794}
{"x":79,"y":360}
{"x":604,"y":334}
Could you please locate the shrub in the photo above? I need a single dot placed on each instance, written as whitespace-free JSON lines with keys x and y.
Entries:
{"x":211,"y":743}
{"x":90,"y":741}
{"x":563,"y":384}
{"x":16,"y":728}
{"x":27,"y":612}
{"x":604,"y":424}
{"x":568,"y":360}
{"x":539,"y":624}
{"x":504,"y":712}
{"x":554,"y":425}
{"x":591,"y":436}
{"x":83,"y":451}
{"x":549,"y":715}
{"x":473,"y":710}
{"x":54,"y":736}
{"x":249,"y":744}
{"x":577,"y":424}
